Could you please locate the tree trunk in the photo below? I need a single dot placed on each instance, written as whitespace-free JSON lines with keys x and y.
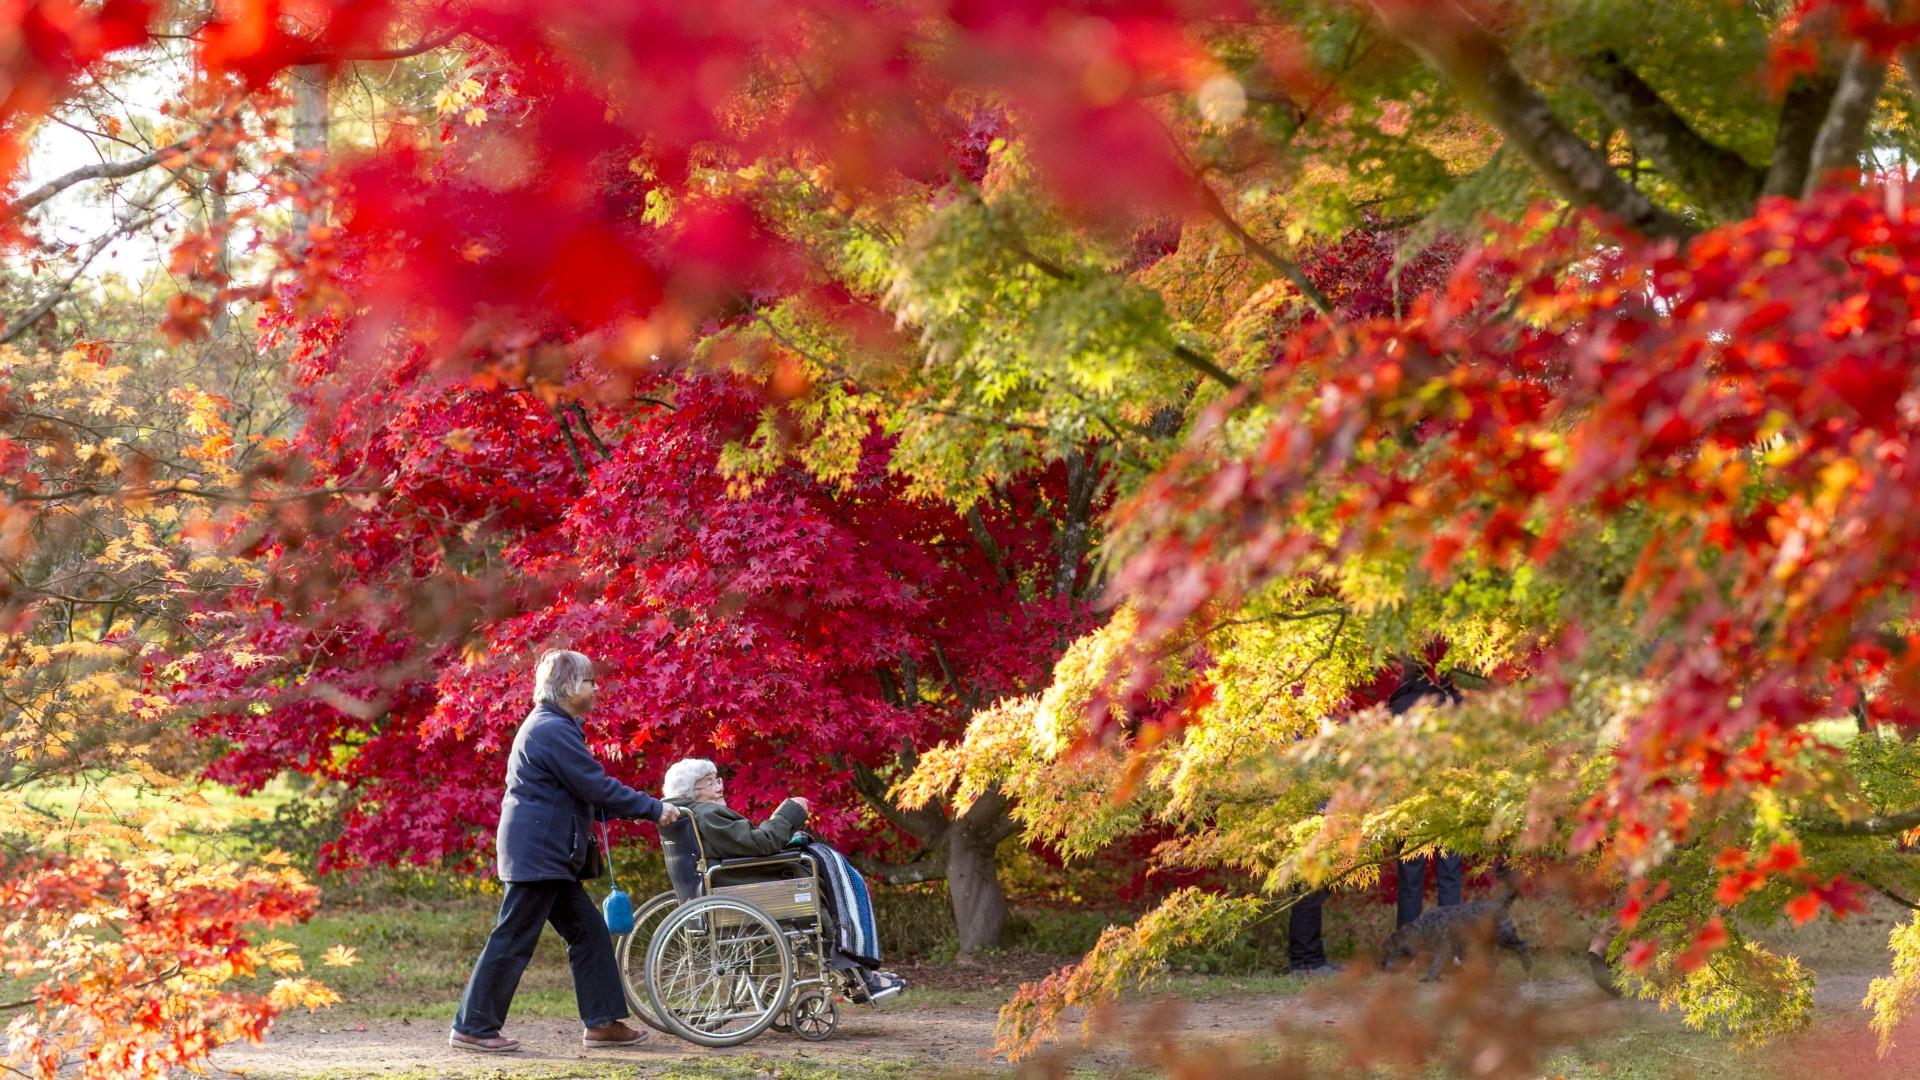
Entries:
{"x":310,"y":123}
{"x":973,"y":882}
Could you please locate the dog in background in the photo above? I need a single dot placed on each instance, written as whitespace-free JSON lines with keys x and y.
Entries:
{"x":1448,"y":932}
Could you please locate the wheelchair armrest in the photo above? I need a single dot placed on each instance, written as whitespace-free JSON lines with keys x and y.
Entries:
{"x":777,"y":859}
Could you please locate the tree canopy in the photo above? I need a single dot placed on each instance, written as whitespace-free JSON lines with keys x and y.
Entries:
{"x":821,"y":364}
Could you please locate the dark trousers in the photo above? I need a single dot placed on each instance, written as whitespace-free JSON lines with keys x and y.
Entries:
{"x":1413,"y":885}
{"x":526,"y":907}
{"x":1305,"y":949}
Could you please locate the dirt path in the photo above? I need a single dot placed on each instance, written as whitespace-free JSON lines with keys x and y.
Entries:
{"x":937,"y":1037}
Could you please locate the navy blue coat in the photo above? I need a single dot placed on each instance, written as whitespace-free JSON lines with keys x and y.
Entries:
{"x":555,"y":791}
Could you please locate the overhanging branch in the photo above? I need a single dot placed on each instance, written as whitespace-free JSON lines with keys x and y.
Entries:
{"x":925,"y":826}
{"x":900,"y":873}
{"x":1721,"y":181}
{"x":1876,"y":825}
{"x":105,"y":170}
{"x":1475,"y":63}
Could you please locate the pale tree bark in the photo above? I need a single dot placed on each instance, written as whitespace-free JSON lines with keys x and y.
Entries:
{"x":310,"y":130}
{"x":973,"y":872}
{"x":1843,"y":134}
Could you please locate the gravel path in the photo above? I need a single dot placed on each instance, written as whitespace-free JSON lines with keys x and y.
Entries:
{"x":943,"y":1037}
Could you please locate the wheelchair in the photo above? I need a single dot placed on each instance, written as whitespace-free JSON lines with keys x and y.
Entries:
{"x":717,"y":964}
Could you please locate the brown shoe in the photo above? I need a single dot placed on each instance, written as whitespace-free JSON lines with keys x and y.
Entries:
{"x":497,"y":1044}
{"x":614,"y":1034}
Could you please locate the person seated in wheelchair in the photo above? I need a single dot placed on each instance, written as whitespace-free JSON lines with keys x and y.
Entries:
{"x":695,"y":785}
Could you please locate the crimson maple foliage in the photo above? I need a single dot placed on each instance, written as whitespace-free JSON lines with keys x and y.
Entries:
{"x":791,"y":634}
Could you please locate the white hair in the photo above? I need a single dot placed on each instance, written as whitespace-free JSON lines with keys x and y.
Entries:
{"x":559,"y":676}
{"x":685,"y":775}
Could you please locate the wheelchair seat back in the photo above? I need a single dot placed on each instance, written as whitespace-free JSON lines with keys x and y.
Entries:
{"x":680,"y":844}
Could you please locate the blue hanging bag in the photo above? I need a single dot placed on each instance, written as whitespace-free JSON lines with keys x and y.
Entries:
{"x":617,"y":908}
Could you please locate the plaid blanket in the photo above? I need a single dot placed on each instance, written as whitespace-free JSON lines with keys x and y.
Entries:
{"x":858,"y":936}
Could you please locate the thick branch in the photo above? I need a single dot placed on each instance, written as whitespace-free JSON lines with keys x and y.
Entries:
{"x":586,"y":428}
{"x":105,"y":170}
{"x":342,"y":56}
{"x":1474,"y":62}
{"x":923,"y":825}
{"x":1890,"y":894}
{"x":1837,"y":146}
{"x":1803,"y":112}
{"x":912,"y":873}
{"x":1876,"y":825}
{"x":985,"y":822}
{"x":1718,"y":179}
{"x":1205,"y":366}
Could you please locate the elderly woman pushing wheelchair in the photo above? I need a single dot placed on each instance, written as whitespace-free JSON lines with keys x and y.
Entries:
{"x":554,"y":791}
{"x":696,"y":786}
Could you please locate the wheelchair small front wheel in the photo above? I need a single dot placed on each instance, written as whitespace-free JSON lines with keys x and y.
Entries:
{"x":813,"y":1015}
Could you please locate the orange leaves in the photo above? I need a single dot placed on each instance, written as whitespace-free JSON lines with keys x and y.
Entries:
{"x":186,"y":318}
{"x":1737,"y":886}
{"x":1745,"y":876}
{"x":182,"y":938}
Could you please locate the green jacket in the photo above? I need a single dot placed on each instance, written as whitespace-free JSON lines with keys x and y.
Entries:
{"x":727,"y":834}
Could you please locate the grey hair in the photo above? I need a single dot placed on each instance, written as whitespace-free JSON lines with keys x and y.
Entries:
{"x":685,"y":775}
{"x":559,"y":676}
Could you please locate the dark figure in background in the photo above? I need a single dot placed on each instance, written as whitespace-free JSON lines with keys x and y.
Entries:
{"x":1416,"y":691}
{"x":555,"y":789}
{"x":1306,"y":951}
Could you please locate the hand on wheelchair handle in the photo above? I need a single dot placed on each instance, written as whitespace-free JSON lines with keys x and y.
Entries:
{"x":669,"y":813}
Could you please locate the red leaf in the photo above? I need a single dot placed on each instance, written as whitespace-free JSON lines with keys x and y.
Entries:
{"x":1802,"y":909}
{"x":1711,"y":938}
{"x":1639,"y":956}
{"x":1783,"y":857}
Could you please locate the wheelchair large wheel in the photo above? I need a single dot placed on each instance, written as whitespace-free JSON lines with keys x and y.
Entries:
{"x":718,"y":971}
{"x":630,"y":951}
